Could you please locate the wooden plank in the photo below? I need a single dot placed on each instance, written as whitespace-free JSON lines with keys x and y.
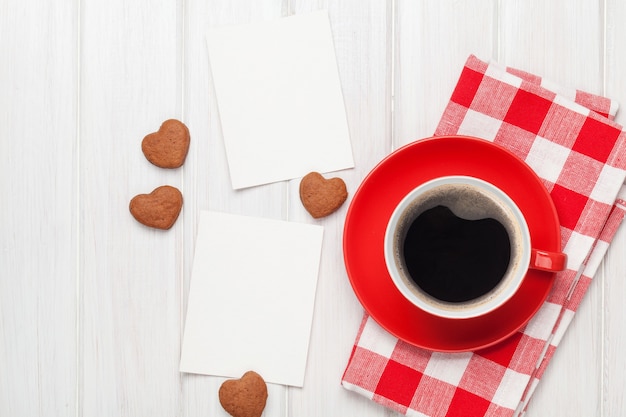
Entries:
{"x":613,"y":283}
{"x":511,"y":33}
{"x":568,"y":53}
{"x":130,"y":274}
{"x":560,"y":40}
{"x":206,"y":177}
{"x":38,"y":208}
{"x":611,"y":359}
{"x":432,"y":42}
{"x":361,"y":34}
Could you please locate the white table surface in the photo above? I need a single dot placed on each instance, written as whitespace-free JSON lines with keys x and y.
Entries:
{"x":92,"y":305}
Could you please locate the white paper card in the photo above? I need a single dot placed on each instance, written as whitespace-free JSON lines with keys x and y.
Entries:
{"x":279,"y":98}
{"x":251,"y":297}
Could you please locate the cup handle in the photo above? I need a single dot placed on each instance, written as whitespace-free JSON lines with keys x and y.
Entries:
{"x":547,"y":261}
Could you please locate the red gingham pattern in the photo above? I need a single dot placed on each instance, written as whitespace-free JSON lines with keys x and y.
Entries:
{"x":569,"y":139}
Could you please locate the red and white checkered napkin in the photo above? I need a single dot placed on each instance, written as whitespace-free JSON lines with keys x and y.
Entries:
{"x":568,"y":138}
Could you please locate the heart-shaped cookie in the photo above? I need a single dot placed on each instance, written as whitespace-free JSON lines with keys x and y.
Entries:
{"x":159,"y":209}
{"x":244,"y":397}
{"x":168,"y":147}
{"x":319,"y":196}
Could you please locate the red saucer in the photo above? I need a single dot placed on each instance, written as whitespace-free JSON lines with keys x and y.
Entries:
{"x":382,"y":190}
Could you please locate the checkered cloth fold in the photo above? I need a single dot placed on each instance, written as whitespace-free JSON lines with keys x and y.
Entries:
{"x":569,"y":139}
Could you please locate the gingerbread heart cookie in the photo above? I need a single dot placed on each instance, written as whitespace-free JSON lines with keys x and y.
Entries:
{"x":319,"y":196}
{"x":159,"y":209}
{"x":244,"y":397}
{"x":168,"y":147}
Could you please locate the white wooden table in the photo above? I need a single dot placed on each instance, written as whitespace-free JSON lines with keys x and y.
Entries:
{"x":92,"y":304}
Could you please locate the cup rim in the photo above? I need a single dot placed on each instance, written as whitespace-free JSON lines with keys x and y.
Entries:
{"x":486,"y":306}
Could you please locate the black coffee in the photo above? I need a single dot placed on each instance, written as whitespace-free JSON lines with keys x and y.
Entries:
{"x":454,"y":259}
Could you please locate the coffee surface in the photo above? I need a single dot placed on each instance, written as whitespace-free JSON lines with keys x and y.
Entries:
{"x":454,"y":259}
